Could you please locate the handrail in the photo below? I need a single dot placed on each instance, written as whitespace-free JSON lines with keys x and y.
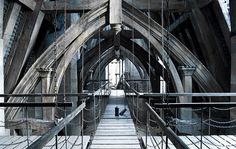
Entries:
{"x":46,"y":95}
{"x":98,"y":90}
{"x":178,"y":143}
{"x":195,"y":105}
{"x":136,"y":92}
{"x":188,"y":94}
{"x":36,"y":104}
{"x":128,"y":85}
{"x":44,"y":139}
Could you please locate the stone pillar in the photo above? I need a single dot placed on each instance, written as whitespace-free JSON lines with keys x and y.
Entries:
{"x":115,"y":19}
{"x":1,"y":20}
{"x":186,"y":113}
{"x":233,"y":75}
{"x":74,"y":129}
{"x":117,"y":29}
{"x":187,"y":73}
{"x":233,"y":54}
{"x":91,"y":87}
{"x":2,"y":114}
{"x":38,"y":110}
{"x":45,"y":75}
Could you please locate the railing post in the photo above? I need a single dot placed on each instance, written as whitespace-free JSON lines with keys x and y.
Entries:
{"x":146,"y":143}
{"x":27,"y":126}
{"x":82,"y":128}
{"x":94,"y":112}
{"x":177,"y":142}
{"x":56,"y":143}
{"x":44,"y":139}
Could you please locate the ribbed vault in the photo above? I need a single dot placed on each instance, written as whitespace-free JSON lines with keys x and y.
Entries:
{"x":80,"y":32}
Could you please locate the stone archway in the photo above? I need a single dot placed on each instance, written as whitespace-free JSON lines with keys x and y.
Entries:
{"x":88,"y":25}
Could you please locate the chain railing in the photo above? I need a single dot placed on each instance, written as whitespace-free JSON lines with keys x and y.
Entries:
{"x":206,"y":122}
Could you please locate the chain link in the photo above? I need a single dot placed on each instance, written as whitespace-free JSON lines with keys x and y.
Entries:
{"x":221,"y":122}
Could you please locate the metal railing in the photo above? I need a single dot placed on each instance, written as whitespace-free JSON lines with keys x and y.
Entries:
{"x":178,"y":143}
{"x":170,"y":127}
{"x":44,"y":139}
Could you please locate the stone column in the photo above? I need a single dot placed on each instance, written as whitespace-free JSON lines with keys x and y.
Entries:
{"x":2,"y":114}
{"x":186,"y":113}
{"x":38,"y":110}
{"x":187,"y":73}
{"x":74,"y":129}
{"x":91,"y":86}
{"x":233,"y":54}
{"x":115,"y":19}
{"x":117,"y":29}
{"x":45,"y":75}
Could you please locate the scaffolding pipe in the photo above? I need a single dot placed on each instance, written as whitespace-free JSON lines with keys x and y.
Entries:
{"x":36,"y":104}
{"x":184,"y":94}
{"x":47,"y":95}
{"x":195,"y":105}
{"x":129,"y":94}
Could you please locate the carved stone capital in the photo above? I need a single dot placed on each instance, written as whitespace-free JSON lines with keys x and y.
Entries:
{"x":44,"y":72}
{"x":187,"y":70}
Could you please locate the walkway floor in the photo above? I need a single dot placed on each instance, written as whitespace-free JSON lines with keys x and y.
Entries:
{"x":116,"y":132}
{"x":20,"y":142}
{"x":194,"y":142}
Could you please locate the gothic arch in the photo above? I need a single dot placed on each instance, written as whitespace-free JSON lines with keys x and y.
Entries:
{"x":89,"y":24}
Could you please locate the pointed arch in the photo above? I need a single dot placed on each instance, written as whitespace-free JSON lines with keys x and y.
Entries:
{"x":88,"y":25}
{"x":178,"y":51}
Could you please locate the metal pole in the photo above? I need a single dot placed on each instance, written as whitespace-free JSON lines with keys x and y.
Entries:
{"x":137,"y":111}
{"x":209,"y":127}
{"x":167,"y":142}
{"x":56,"y":143}
{"x":65,"y":128}
{"x":119,"y":70}
{"x":27,"y":126}
{"x":188,"y":94}
{"x":82,"y":129}
{"x":108,"y":76}
{"x":47,"y":95}
{"x":146,"y":130}
{"x":148,"y":122}
{"x":162,"y":116}
{"x":94,"y":112}
{"x":36,"y":104}
{"x":201,"y":126}
{"x":138,"y":93}
{"x":122,"y":74}
{"x":195,"y":105}
{"x":176,"y":114}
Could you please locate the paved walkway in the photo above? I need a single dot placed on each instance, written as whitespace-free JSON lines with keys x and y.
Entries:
{"x":116,"y":132}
